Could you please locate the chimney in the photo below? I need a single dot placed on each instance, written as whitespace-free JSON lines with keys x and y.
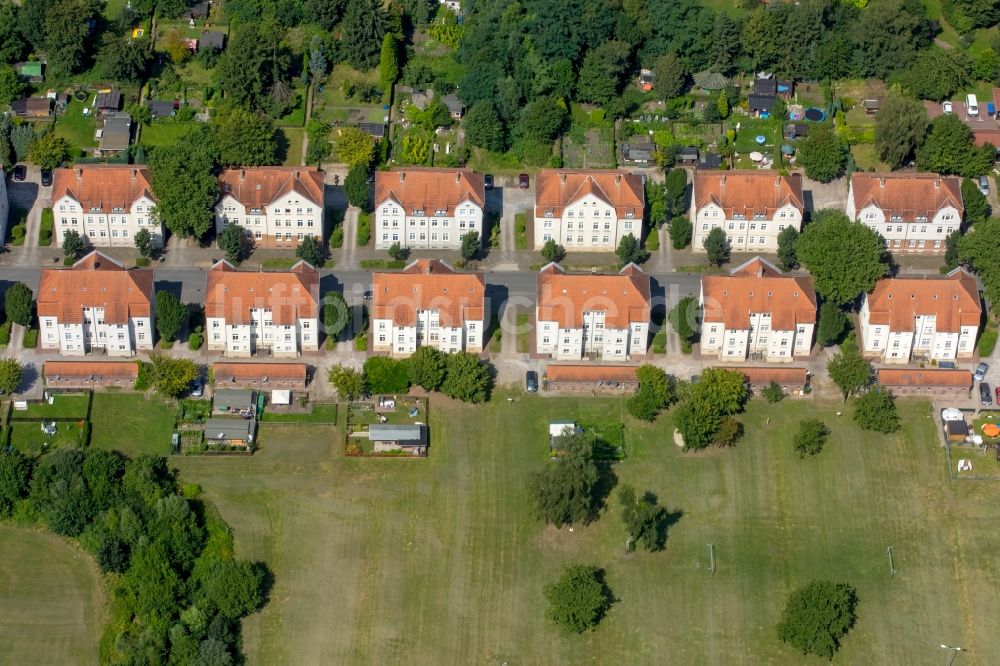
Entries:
{"x":760,"y":270}
{"x":402,"y":176}
{"x":562,"y":178}
{"x":135,"y":172}
{"x":618,"y":179}
{"x":722,"y":180}
{"x":881,"y":182}
{"x":79,"y":174}
{"x":242,"y":175}
{"x":458,"y":176}
{"x":937,"y":183}
{"x":777,"y":181}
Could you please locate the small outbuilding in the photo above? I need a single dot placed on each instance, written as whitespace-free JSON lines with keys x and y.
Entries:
{"x":639,"y":150}
{"x":688,"y":155}
{"x":260,"y":375}
{"x":116,"y":135}
{"x":230,"y":401}
{"x":592,"y":377}
{"x":32,"y":107}
{"x":108,"y":101}
{"x":761,"y":106}
{"x":390,"y":437}
{"x":162,"y":108}
{"x":956,"y":431}
{"x":921,"y":381}
{"x":90,"y":374}
{"x":231,"y":432}
{"x":212,"y":40}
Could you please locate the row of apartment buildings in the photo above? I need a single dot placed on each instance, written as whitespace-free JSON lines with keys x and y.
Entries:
{"x":754,"y":313}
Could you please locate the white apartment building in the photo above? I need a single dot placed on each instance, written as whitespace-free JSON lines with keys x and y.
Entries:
{"x":752,"y":207}
{"x":96,"y":306}
{"x":934,"y":318}
{"x":428,"y":303}
{"x":757,"y":313}
{"x":592,"y":316}
{"x":587,"y":211}
{"x":428,"y":208}
{"x":913,"y":212}
{"x":255,"y":312}
{"x":107,"y":204}
{"x":277,"y":206}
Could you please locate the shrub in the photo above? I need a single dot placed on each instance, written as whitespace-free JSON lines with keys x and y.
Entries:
{"x":46,"y":227}
{"x":680,"y":231}
{"x":810,"y":438}
{"x":579,"y":599}
{"x":195,"y":340}
{"x":773,"y":393}
{"x":653,"y":240}
{"x":337,"y":238}
{"x":5,"y":334}
{"x":817,"y":616}
{"x":141,"y":262}
{"x":876,"y":410}
{"x":144,"y":378}
{"x":364,"y":229}
{"x":386,"y":375}
{"x":987,"y":342}
{"x":361,"y":343}
{"x":30,"y":338}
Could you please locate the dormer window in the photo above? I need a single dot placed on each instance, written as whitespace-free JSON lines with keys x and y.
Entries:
{"x":758,"y":216}
{"x":630,"y":215}
{"x":418,"y":211}
{"x":739,"y":216}
{"x":896,"y":217}
{"x":95,"y":209}
{"x":441,"y":211}
{"x":548,"y":213}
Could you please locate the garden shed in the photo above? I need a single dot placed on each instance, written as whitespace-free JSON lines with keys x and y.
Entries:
{"x":232,"y":432}
{"x":392,"y":437}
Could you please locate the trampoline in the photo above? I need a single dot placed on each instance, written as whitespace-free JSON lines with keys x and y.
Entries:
{"x":991,"y":429}
{"x":760,"y":139}
{"x":814,"y":114}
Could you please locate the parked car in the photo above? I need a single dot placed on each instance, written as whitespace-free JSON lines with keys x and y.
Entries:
{"x":367,"y":295}
{"x":984,"y":185}
{"x":947,"y":365}
{"x":985,"y":394}
{"x":488,"y":181}
{"x":522,"y":181}
{"x":46,"y":177}
{"x":946,"y":107}
{"x":199,"y":388}
{"x":998,"y":394}
{"x":20,"y":172}
{"x":980,"y":373}
{"x":531,"y":381}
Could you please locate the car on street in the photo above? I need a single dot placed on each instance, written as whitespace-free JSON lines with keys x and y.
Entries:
{"x":531,"y":381}
{"x":522,"y":181}
{"x":46,"y":177}
{"x":20,"y":172}
{"x":985,"y":394}
{"x":980,"y":373}
{"x":488,"y":181}
{"x":946,"y":107}
{"x":984,"y":185}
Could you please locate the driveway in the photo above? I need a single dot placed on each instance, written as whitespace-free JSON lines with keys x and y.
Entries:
{"x":829,"y":195}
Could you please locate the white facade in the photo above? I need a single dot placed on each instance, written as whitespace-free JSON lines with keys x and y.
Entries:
{"x":284,"y":222}
{"x":592,"y":339}
{"x":95,"y":334}
{"x":898,"y":346}
{"x":757,"y":234}
{"x":759,"y":342}
{"x":589,"y":224}
{"x":262,"y":334}
{"x":404,"y":340}
{"x":920,"y":235}
{"x":426,"y":229}
{"x":115,"y":228}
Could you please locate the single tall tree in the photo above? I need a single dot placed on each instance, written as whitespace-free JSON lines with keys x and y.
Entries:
{"x":144,"y":242}
{"x":876,"y":410}
{"x":900,"y":125}
{"x":579,"y":599}
{"x":311,"y":251}
{"x":428,"y":367}
{"x":388,"y":62}
{"x":245,"y":138}
{"x":564,"y":490}
{"x":356,"y":187}
{"x":182,"y":177}
{"x":822,"y":153}
{"x":170,"y":315}
{"x":11,"y":372}
{"x":832,"y":323}
{"x":233,"y":243}
{"x":817,"y":616}
{"x":977,"y":206}
{"x":354,"y":147}
{"x":470,"y":245}
{"x":629,"y":250}
{"x":844,"y":258}
{"x":73,"y":244}
{"x":17,"y":304}
{"x":788,"y":238}
{"x":669,"y":76}
{"x":850,"y":372}
{"x":643,"y":518}
{"x":716,"y":246}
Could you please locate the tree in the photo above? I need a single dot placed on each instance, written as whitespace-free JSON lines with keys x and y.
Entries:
{"x":630,"y":251}
{"x":564,"y":490}
{"x":644,"y":519}
{"x":810,"y":438}
{"x":937,"y":74}
{"x":889,"y":36}
{"x":356,"y":187}
{"x":388,"y":62}
{"x":725,"y":390}
{"x":349,"y":382}
{"x":468,"y":378}
{"x":172,"y":376}
{"x":428,"y":367}
{"x":73,"y":244}
{"x":977,"y":206}
{"x":11,"y":86}
{"x":251,"y":65}
{"x":182,"y":177}
{"x":335,"y":313}
{"x":579,"y":599}
{"x":235,"y":587}
{"x":716,"y":246}
{"x":552,"y":251}
{"x":470,"y":245}
{"x":850,"y":372}
{"x":397,"y":251}
{"x":684,"y":319}
{"x":11,"y":372}
{"x":675,"y":189}
{"x":66,"y":39}
{"x":656,"y":391}
{"x":245,"y":138}
{"x":386,"y":375}
{"x":541,"y":121}
{"x":669,"y":76}
{"x":788,"y":238}
{"x":484,"y":128}
{"x":822,"y":153}
{"x":817,"y":616}
{"x":232,"y":241}
{"x":144,"y":242}
{"x":175,"y":44}
{"x":948,"y":149}
{"x":900,"y":125}
{"x":844,"y":258}
{"x":17,"y":304}
{"x":48,"y":150}
{"x":354,"y":147}
{"x":977,"y":249}
{"x":170,"y":315}
{"x":986,"y":66}
{"x":126,"y":59}
{"x":600,"y":76}
{"x":311,"y":251}
{"x":364,"y":27}
{"x":15,"y":472}
{"x":317,"y":60}
{"x":722,"y":104}
{"x":21,"y":138}
{"x":680,"y":232}
{"x":876,"y":410}
{"x":832,"y":324}
{"x":318,"y":133}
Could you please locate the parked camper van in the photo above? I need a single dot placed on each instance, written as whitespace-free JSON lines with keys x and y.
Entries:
{"x":972,"y":104}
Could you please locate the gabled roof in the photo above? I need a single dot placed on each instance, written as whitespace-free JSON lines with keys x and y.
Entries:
{"x":410,"y":434}
{"x":65,"y":370}
{"x":924,"y":377}
{"x":224,"y":372}
{"x":429,"y":190}
{"x":591,"y":373}
{"x":211,"y":39}
{"x":564,"y":297}
{"x":556,"y":189}
{"x":31,"y":105}
{"x":761,"y":102}
{"x":429,"y":284}
{"x":258,"y":187}
{"x":104,"y":187}
{"x":758,"y":376}
{"x":765,"y":86}
{"x":96,"y":281}
{"x":747,"y":192}
{"x":757,"y":287}
{"x":908,"y":196}
{"x":953,"y":300}
{"x":112,"y":99}
{"x":290,"y":295}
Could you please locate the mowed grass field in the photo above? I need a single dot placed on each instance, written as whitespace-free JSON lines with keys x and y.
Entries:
{"x":51,"y":600}
{"x":441,"y":561}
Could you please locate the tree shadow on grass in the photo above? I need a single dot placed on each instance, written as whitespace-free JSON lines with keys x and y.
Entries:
{"x":606,"y":481}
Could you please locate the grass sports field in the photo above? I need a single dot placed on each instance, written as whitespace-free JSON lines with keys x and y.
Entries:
{"x":441,"y":560}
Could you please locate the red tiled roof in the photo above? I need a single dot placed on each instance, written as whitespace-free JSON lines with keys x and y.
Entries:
{"x":86,"y":369}
{"x":921,"y":377}
{"x":954,"y":300}
{"x":556,"y":189}
{"x":757,"y":287}
{"x":564,"y":298}
{"x":747,"y":192}
{"x":95,"y":281}
{"x":104,"y":187}
{"x":258,"y":187}
{"x":757,"y":376}
{"x":591,"y":373}
{"x":292,"y":295}
{"x":430,"y":190}
{"x":256,"y":371}
{"x":428,"y":284}
{"x":907,"y":195}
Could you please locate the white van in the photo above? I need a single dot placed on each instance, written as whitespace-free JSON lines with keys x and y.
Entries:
{"x":972,"y":105}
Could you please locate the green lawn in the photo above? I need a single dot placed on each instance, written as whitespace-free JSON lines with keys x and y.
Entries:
{"x":50,"y":600}
{"x":77,"y":128}
{"x":64,"y":405}
{"x":131,"y":423}
{"x":163,"y":132}
{"x":442,"y":560}
{"x":296,"y":116}
{"x":320,"y":413}
{"x":290,"y":145}
{"x":29,"y":438}
{"x":524,"y":332}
